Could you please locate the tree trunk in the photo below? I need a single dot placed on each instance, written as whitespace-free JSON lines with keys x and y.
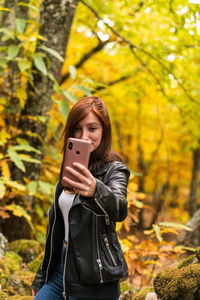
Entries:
{"x":56,"y":19}
{"x":194,"y":182}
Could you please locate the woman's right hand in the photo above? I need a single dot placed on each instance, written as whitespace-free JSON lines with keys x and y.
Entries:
{"x":34,"y":292}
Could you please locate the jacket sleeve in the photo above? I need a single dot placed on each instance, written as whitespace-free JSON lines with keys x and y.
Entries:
{"x":110,"y":197}
{"x":39,"y":280}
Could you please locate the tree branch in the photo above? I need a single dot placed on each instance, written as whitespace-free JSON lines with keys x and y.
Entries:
{"x":134,"y":47}
{"x":85,"y":57}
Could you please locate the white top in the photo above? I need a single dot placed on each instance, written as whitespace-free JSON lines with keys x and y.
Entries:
{"x":65,"y":202}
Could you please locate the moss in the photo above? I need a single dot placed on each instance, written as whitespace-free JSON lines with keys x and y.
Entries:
{"x":27,"y":249}
{"x":34,"y":265}
{"x":13,"y":261}
{"x":176,"y":283}
{"x":189,"y":260}
{"x":21,"y":283}
{"x":17,"y":297}
{"x":142,"y":294}
{"x":4,"y":296}
{"x":3,"y":268}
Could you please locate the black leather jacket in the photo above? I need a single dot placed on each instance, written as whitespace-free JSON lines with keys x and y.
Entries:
{"x":94,"y":256}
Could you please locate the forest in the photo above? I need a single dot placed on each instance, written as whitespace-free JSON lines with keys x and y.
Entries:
{"x":141,"y":58}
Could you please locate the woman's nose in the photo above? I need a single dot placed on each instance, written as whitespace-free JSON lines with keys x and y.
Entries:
{"x":84,"y":135}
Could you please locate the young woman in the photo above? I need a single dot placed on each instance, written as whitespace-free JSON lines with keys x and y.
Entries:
{"x":83,"y":258}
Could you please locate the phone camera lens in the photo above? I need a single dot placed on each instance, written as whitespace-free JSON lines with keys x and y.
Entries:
{"x":77,"y":152}
{"x":70,"y":146}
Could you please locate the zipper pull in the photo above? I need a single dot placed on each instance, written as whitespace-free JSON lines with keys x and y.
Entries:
{"x":106,"y":241}
{"x":64,"y":295}
{"x":100,"y":264}
{"x":107,"y":220}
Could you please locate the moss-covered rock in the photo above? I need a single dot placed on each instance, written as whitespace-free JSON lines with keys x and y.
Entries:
{"x":128,"y":290}
{"x":13,"y":261}
{"x":4,"y":296}
{"x":143,"y":294}
{"x":178,"y":284}
{"x":17,"y":297}
{"x":27,"y":249}
{"x":34,"y":265}
{"x":3,"y":268}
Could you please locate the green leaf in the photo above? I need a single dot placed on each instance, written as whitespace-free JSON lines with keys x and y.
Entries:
{"x":3,"y":62}
{"x":29,"y":159}
{"x":32,"y":187}
{"x":39,"y":64}
{"x":69,"y":96}
{"x":63,"y":107}
{"x":13,"y":50}
{"x":2,"y":189}
{"x":14,"y":156}
{"x":39,"y":210}
{"x":83,"y":89}
{"x":24,"y":65}
{"x":25,"y":147}
{"x":28,"y":5}
{"x":175,"y":225}
{"x":156,"y":228}
{"x":52,"y":52}
{"x":42,"y":119}
{"x":14,"y":184}
{"x":45,"y":187}
{"x":20,"y":25}
{"x":72,"y":72}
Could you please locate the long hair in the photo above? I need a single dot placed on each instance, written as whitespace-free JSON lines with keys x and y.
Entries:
{"x":104,"y":152}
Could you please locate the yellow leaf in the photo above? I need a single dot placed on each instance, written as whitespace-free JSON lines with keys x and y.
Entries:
{"x":4,"y":136}
{"x":148,"y":231}
{"x":118,"y":226}
{"x":2,"y":189}
{"x":14,"y":210}
{"x":22,"y":95}
{"x":5,"y":169}
{"x":5,"y":9}
{"x":127,"y":243}
{"x":141,"y":196}
{"x":147,"y":262}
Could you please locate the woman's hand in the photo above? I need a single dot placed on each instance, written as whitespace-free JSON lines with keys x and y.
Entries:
{"x":87,"y":185}
{"x":34,"y":292}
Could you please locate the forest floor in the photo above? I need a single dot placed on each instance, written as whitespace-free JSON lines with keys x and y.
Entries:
{"x":147,"y":266}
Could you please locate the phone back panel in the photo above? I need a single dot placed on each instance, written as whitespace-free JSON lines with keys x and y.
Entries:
{"x":77,"y":151}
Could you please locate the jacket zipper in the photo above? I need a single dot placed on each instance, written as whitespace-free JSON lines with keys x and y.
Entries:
{"x":51,"y":244}
{"x":64,"y":286}
{"x":98,"y":253}
{"x":106,"y":215}
{"x":92,"y":211}
{"x":109,"y":251}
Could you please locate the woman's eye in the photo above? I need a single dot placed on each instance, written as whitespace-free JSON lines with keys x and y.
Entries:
{"x":76,"y":129}
{"x":92,"y":128}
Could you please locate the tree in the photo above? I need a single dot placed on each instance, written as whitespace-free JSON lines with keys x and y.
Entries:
{"x":31,"y":125}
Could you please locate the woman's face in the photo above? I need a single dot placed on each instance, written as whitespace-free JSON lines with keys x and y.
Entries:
{"x":90,"y":129}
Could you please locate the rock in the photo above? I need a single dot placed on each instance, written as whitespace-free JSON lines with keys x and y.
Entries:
{"x":145,"y":295}
{"x":176,"y":284}
{"x":27,"y":249}
{"x":3,"y":245}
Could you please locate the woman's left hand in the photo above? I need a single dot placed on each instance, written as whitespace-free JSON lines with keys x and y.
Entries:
{"x":87,"y":185}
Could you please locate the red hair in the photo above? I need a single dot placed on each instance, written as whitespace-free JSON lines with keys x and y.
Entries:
{"x":104,"y":153}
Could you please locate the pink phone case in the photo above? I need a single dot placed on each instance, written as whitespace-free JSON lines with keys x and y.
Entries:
{"x":77,"y":151}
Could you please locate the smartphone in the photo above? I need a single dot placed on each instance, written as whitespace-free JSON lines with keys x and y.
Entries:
{"x":77,"y":151}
